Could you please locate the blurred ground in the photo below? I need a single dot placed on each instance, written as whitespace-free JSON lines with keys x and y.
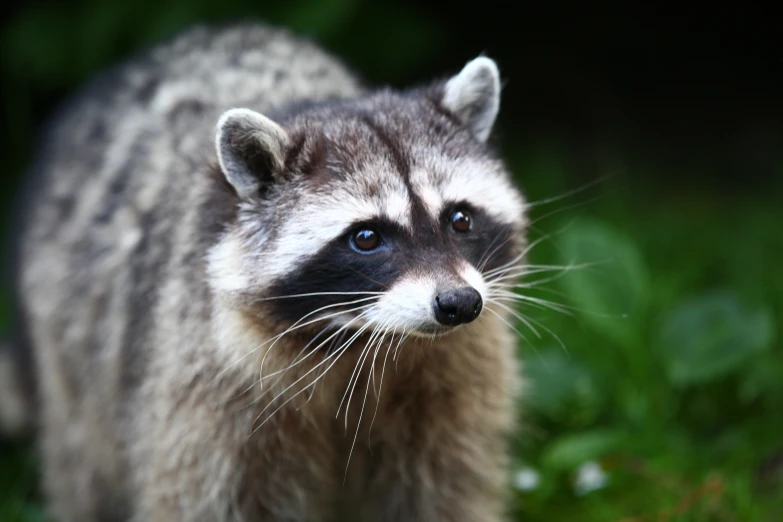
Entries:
{"x":656,"y":396}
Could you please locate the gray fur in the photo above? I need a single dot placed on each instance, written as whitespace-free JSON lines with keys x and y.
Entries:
{"x":474,"y":96}
{"x":246,"y":144}
{"x":145,"y":277}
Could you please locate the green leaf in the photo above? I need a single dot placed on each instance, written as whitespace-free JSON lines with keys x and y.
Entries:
{"x":570,"y":451}
{"x":612,"y":291}
{"x":762,"y":379}
{"x":561,"y":387}
{"x":710,"y":336}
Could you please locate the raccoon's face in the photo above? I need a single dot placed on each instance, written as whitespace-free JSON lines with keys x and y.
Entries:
{"x":386,"y":212}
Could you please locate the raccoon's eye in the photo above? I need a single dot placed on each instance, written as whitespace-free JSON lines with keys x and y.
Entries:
{"x":366,"y":240}
{"x":461,"y":222}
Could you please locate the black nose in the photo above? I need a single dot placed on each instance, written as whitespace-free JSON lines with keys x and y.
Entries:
{"x":457,"y":306}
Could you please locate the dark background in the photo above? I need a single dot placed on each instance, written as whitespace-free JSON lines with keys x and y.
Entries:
{"x":679,"y":113}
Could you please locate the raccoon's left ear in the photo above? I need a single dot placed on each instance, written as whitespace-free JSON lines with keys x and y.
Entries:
{"x":473,"y":96}
{"x":251,"y":150}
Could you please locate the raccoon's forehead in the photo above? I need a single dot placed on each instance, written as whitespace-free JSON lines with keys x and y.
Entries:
{"x":374,"y":192}
{"x":386,"y":163}
{"x":415,"y":197}
{"x":440,"y":181}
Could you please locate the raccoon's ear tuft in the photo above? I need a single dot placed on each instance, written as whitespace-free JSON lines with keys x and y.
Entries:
{"x":251,"y":150}
{"x":473,"y":96}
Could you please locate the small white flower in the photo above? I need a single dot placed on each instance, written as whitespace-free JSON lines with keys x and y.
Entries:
{"x":590,"y":477}
{"x":526,"y":479}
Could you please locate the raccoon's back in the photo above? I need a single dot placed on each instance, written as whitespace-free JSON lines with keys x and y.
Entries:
{"x":120,"y":204}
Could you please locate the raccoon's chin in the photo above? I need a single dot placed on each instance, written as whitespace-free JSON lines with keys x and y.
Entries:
{"x":436,"y":331}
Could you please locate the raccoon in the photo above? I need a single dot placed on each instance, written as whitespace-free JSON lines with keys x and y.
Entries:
{"x":256,"y":289}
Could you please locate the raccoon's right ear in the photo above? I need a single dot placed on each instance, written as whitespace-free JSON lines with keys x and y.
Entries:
{"x":251,"y":150}
{"x":473,"y":96}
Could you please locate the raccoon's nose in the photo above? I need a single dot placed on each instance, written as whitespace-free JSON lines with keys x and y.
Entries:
{"x":457,"y":306}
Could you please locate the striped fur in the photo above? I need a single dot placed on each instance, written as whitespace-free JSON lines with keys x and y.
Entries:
{"x":156,"y":286}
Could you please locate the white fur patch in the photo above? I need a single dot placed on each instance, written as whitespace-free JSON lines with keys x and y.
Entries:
{"x":432,"y":199}
{"x":224,"y":266}
{"x":407,"y":305}
{"x":396,"y":207}
{"x":480,"y":183}
{"x":470,"y":181}
{"x":474,"y":279}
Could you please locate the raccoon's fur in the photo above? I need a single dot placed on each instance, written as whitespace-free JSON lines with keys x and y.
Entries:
{"x":254,"y":291}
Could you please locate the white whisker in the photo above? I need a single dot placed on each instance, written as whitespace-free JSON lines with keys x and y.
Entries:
{"x":553,"y":334}
{"x":531,"y":345}
{"x":295,"y":327}
{"x":330,"y":316}
{"x":570,"y":193}
{"x":314,"y":294}
{"x":380,"y":388}
{"x":355,"y":374}
{"x":527,"y":320}
{"x":527,"y":250}
{"x":525,"y":270}
{"x":367,"y":390}
{"x":378,"y":331}
{"x":375,"y":391}
{"x":257,"y":384}
{"x":542,"y":304}
{"x":397,"y":351}
{"x":518,"y":316}
{"x":290,"y":329}
{"x":487,"y":255}
{"x":336,"y":354}
{"x":336,"y":340}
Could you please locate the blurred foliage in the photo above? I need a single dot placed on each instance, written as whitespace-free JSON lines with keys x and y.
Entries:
{"x":652,"y":350}
{"x":669,"y":383}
